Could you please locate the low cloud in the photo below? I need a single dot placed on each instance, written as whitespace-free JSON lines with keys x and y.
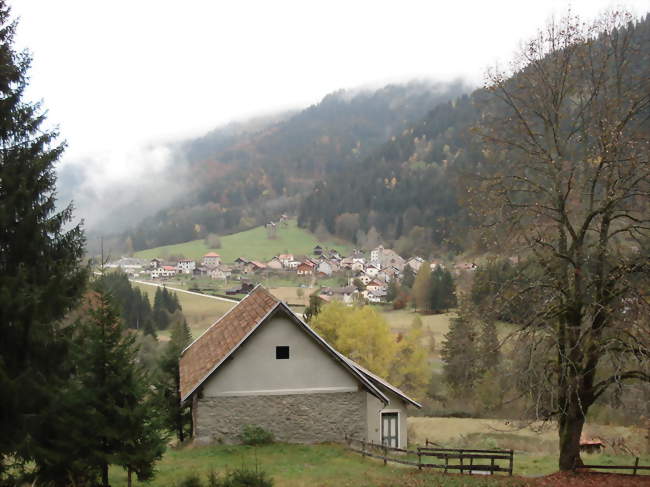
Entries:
{"x":114,"y":190}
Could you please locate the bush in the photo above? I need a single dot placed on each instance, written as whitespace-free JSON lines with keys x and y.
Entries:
{"x":212,"y":241}
{"x":192,"y":480}
{"x":255,"y":435}
{"x":240,"y":477}
{"x":243,"y":477}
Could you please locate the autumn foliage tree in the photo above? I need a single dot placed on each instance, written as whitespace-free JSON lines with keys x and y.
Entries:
{"x":363,"y":335}
{"x":567,"y":184}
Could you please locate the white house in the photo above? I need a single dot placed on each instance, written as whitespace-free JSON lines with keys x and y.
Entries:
{"x":324,"y":267}
{"x":285,"y":259}
{"x":211,"y":259}
{"x":415,"y":263}
{"x":375,"y":285}
{"x":220,"y":272}
{"x":261,"y":364}
{"x":163,"y":272}
{"x":185,"y":266}
{"x":372,"y":270}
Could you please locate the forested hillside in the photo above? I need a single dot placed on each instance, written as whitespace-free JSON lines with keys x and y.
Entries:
{"x":243,"y":175}
{"x":410,"y":191}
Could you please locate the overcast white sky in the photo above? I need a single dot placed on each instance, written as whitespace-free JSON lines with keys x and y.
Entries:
{"x":121,"y":77}
{"x":133,"y":71}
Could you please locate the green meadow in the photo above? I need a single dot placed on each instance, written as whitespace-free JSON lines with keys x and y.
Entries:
{"x":252,"y":244}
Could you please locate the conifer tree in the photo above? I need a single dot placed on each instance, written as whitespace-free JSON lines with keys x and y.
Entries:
{"x":125,"y":421}
{"x":40,"y":258}
{"x":409,"y":277}
{"x":460,"y":355}
{"x":176,"y":417}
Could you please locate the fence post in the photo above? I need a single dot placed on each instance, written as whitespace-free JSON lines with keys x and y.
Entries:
{"x":492,"y":465}
{"x":385,"y":454}
{"x":636,"y":464}
{"x":512,"y":453}
{"x":363,"y":448}
{"x":419,"y":459}
{"x":446,"y":462}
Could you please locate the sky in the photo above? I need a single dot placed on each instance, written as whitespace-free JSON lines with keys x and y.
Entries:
{"x":120,"y":77}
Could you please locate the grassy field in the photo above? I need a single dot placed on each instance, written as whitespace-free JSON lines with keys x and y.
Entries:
{"x":328,"y":465}
{"x":200,"y":312}
{"x":300,"y":466}
{"x":535,"y":444}
{"x":252,"y":244}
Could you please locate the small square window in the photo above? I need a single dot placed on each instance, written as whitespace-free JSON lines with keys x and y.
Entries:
{"x":282,"y":352}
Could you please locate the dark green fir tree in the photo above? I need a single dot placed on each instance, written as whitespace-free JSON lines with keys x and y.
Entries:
{"x":126,"y":422}
{"x":177,"y":417}
{"x":41,"y":276}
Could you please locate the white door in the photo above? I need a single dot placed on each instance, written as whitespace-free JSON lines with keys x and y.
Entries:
{"x":390,"y":429}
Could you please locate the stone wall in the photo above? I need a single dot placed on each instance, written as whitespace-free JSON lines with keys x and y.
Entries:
{"x":295,"y":418}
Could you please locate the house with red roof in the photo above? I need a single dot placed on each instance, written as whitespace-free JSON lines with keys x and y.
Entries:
{"x":211,"y":259}
{"x":261,"y":364}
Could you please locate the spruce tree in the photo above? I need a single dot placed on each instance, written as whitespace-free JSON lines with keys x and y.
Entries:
{"x":409,"y":277}
{"x":40,"y":258}
{"x":459,"y":353}
{"x":176,"y":416}
{"x":114,"y":390}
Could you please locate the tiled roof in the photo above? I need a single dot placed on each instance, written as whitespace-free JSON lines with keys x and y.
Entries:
{"x":206,"y":352}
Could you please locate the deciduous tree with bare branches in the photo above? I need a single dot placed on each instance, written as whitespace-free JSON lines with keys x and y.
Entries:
{"x":566,"y":134}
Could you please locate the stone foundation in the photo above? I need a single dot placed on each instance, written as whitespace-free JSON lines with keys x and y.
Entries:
{"x":295,"y":418}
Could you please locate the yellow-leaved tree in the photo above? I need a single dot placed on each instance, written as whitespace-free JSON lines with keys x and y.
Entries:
{"x":410,"y":370}
{"x":360,"y":333}
{"x":363,"y":335}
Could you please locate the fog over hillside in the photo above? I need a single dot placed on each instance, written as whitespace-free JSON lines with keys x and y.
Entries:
{"x":116,"y":189}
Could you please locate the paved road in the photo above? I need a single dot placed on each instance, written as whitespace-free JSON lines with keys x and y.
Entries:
{"x":218,"y":298}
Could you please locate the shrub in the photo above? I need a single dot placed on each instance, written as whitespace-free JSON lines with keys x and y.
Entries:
{"x":255,"y":435}
{"x":192,"y":480}
{"x":243,"y":477}
{"x":240,"y":477}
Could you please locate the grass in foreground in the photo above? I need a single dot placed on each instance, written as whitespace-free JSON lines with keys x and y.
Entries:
{"x":252,"y":244}
{"x":300,"y":466}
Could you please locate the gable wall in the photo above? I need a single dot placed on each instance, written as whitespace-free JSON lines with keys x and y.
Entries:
{"x":374,"y":409}
{"x":253,"y":370}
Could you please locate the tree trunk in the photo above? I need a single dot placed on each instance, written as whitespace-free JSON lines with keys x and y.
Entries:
{"x":570,"y":430}
{"x":128,"y":477}
{"x":105,"y":475}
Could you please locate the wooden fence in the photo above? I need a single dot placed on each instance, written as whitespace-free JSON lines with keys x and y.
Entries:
{"x":449,"y":459}
{"x":635,"y":468}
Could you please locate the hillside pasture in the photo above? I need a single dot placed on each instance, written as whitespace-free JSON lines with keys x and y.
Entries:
{"x":251,"y":244}
{"x":199,"y":311}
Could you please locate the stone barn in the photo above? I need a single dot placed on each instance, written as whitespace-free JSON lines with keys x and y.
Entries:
{"x":261,"y":364}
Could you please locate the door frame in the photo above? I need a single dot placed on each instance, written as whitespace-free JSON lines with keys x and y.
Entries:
{"x":381,"y":424}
